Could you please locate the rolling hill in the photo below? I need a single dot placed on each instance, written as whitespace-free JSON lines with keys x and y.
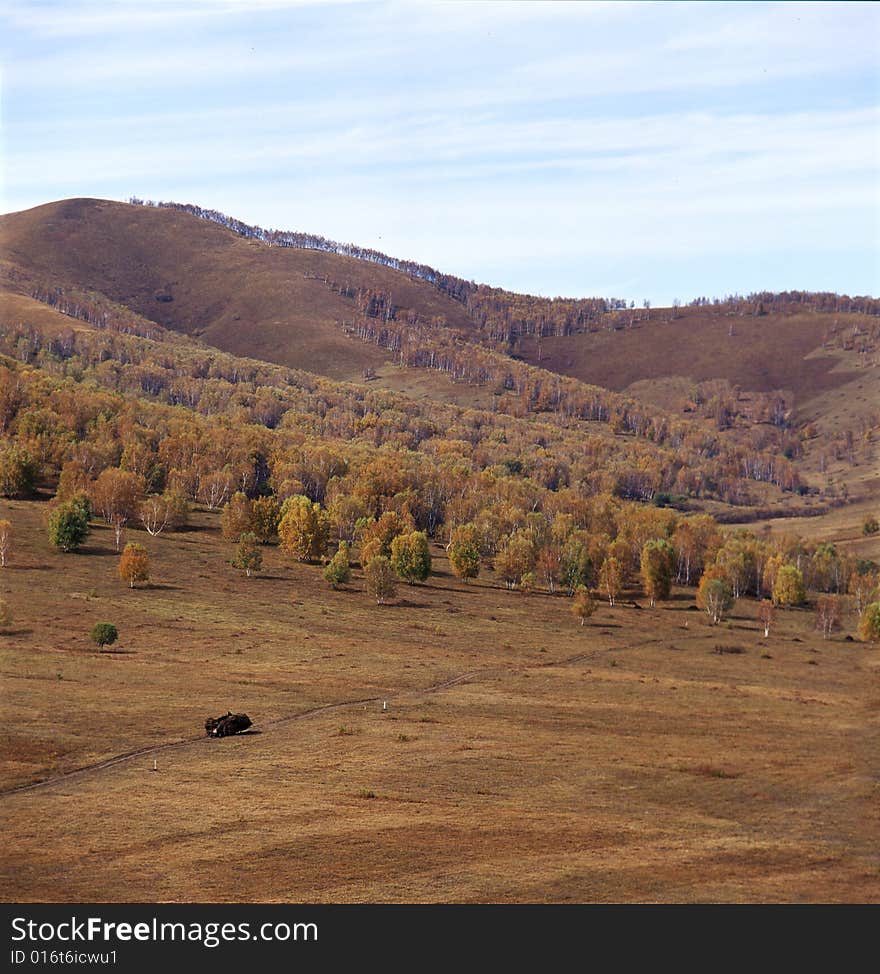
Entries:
{"x":195,"y":277}
{"x":755,"y":373}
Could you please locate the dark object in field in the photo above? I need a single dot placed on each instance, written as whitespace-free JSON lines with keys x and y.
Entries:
{"x":732,"y":650}
{"x":226,"y":725}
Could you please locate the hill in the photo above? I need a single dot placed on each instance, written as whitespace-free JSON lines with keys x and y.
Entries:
{"x":472,"y":738}
{"x":196,"y":277}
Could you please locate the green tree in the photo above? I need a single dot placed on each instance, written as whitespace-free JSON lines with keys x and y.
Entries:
{"x":464,"y":551}
{"x":788,"y":589}
{"x":68,"y":527}
{"x":411,"y":556}
{"x":104,"y":634}
{"x":18,"y":471}
{"x":584,"y":605}
{"x":379,"y":577}
{"x":577,"y":566}
{"x":869,"y":624}
{"x":338,"y":570}
{"x":248,"y":556}
{"x":657,"y":568}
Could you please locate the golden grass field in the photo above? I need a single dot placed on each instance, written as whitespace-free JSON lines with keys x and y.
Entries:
{"x":522,"y":758}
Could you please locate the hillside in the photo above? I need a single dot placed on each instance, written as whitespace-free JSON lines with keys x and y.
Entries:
{"x":722,"y":372}
{"x":196,"y":277}
{"x":522,"y":757}
{"x":595,"y":678}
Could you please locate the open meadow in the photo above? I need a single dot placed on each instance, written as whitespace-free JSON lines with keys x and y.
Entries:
{"x":647,"y":756}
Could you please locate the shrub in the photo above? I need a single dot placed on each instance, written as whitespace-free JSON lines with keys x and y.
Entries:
{"x":871,"y":525}
{"x":869,"y":624}
{"x":104,"y":634}
{"x":68,"y":527}
{"x":338,"y":570}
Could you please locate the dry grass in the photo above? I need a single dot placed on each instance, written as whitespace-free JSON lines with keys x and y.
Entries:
{"x":623,"y":761}
{"x":238,"y":295}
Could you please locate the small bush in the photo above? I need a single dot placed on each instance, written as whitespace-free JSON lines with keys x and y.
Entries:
{"x":104,"y":634}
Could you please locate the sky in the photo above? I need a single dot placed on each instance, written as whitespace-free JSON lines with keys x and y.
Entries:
{"x":646,"y":151}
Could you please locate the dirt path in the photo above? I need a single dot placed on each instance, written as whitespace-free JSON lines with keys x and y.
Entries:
{"x":303,"y":715}
{"x":204,"y":739}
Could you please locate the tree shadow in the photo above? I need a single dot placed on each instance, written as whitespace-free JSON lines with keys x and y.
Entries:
{"x":16,"y":632}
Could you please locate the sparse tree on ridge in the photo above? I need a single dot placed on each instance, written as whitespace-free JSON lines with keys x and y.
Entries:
{"x":155,"y":515}
{"x":863,"y":587}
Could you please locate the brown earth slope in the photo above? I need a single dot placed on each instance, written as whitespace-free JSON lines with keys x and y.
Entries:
{"x":239,"y":295}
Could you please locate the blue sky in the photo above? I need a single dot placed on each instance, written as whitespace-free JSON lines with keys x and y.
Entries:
{"x":645,"y":150}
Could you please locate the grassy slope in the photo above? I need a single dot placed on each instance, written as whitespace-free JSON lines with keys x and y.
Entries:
{"x":622,"y":761}
{"x":767,"y":353}
{"x":239,"y":295}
